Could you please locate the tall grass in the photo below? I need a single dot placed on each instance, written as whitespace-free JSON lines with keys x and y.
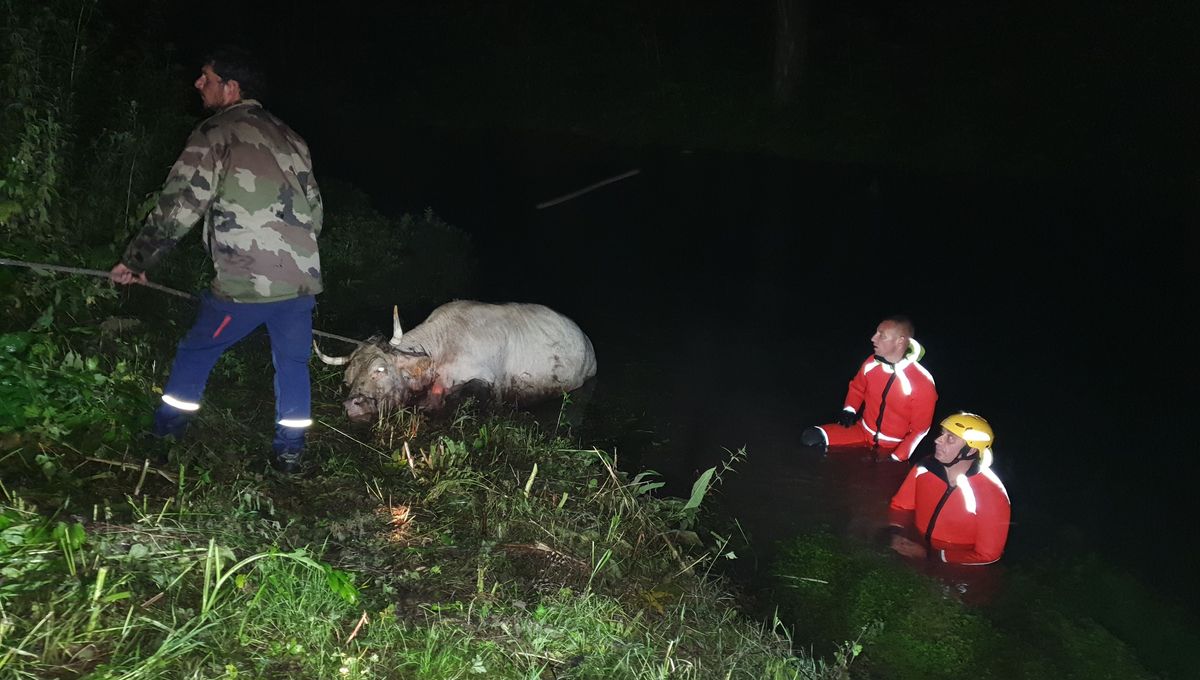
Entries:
{"x":426,"y":549}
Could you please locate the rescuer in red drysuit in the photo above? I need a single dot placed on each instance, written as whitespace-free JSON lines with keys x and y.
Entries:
{"x":892,"y":392}
{"x":955,"y":502}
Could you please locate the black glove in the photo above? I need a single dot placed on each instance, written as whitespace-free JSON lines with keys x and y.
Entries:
{"x":846,"y":418}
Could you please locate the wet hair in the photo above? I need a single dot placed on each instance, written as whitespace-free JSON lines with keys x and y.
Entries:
{"x":903,"y":323}
{"x":231,"y":62}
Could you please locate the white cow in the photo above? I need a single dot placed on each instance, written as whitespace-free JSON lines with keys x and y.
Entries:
{"x":515,"y":352}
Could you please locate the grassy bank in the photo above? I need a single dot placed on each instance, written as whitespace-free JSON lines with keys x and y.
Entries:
{"x":1072,"y":616}
{"x":473,"y":546}
{"x":490,"y":545}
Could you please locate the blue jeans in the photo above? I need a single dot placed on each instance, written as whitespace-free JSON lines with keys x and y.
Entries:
{"x":218,"y":326}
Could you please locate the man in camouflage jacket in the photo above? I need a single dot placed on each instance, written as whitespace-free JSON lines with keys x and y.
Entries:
{"x":249,"y":177}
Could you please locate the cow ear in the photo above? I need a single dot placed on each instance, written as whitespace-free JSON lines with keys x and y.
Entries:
{"x":419,"y":372}
{"x":352,"y":373}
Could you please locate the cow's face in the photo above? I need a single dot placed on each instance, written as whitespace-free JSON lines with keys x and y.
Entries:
{"x":381,"y":378}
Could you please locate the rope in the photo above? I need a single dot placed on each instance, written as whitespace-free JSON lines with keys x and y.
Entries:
{"x":149,"y":284}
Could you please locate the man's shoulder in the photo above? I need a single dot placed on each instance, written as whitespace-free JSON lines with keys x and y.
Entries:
{"x":248,"y":123}
{"x":926,"y":471}
{"x":991,"y":481}
{"x":248,"y":112}
{"x":919,"y":370}
{"x":219,"y":124}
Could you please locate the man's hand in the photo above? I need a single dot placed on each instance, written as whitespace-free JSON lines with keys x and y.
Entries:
{"x":908,"y":547}
{"x":846,"y":418}
{"x":124,"y":275}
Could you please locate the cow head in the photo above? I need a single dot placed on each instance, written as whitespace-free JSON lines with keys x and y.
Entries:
{"x":383,"y":376}
{"x":380,"y":378}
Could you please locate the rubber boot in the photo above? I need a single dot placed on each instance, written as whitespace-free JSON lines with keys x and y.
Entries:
{"x":170,"y":422}
{"x":813,"y":437}
{"x":170,"y":426}
{"x":288,"y":449}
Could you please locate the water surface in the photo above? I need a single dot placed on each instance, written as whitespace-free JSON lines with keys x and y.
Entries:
{"x":731,"y":297}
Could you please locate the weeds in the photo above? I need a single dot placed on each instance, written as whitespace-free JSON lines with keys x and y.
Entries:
{"x":474,"y":546}
{"x":53,"y":391}
{"x":481,"y":546}
{"x":913,"y":626}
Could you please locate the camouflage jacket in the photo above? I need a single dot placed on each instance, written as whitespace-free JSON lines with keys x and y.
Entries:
{"x":249,"y":176}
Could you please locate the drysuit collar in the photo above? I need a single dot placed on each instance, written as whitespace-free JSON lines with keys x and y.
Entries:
{"x":935,"y":466}
{"x":913,"y":354}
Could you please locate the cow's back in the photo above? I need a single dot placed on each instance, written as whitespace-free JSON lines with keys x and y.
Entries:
{"x":519,"y":347}
{"x":549,"y":345}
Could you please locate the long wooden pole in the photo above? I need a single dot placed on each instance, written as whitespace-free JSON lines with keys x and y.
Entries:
{"x":590,"y":187}
{"x":148,"y":284}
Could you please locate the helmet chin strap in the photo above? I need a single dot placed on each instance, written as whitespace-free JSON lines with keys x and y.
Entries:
{"x":963,"y":454}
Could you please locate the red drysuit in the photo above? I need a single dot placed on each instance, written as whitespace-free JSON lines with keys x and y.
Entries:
{"x":967,"y":522}
{"x":897,"y":404}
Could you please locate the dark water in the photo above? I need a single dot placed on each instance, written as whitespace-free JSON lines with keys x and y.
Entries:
{"x":730,"y":298}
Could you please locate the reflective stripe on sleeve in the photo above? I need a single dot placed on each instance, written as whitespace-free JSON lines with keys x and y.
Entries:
{"x":964,"y":483}
{"x":987,"y":472}
{"x":881,"y":435}
{"x":180,"y":404}
{"x":916,"y":442}
{"x":924,"y":372}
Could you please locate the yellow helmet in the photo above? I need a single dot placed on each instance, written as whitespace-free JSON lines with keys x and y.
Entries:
{"x":972,"y":429}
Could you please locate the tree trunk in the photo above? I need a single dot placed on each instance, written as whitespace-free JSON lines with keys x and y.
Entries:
{"x":791,"y":48}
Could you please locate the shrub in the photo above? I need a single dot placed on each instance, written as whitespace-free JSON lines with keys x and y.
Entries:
{"x":49,"y":390}
{"x":371,"y":262}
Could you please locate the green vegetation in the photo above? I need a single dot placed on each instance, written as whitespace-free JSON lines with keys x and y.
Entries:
{"x":1076,"y":619}
{"x":361,"y":249}
{"x":475,"y":546}
{"x":489,"y":546}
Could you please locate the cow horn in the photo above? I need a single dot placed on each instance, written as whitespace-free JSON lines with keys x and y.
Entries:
{"x":332,"y":361}
{"x":397,"y":331}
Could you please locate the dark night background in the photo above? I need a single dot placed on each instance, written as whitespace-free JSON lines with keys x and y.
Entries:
{"x":1020,"y":178}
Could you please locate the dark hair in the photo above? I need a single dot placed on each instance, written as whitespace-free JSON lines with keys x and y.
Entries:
{"x":904,"y":323}
{"x":235,"y":63}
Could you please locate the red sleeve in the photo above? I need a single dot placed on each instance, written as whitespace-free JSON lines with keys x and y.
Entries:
{"x":924,"y":400}
{"x":858,"y":390}
{"x":994,"y":514}
{"x":900,"y":514}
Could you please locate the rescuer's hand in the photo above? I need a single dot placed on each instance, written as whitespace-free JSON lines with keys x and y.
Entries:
{"x":846,"y":418}
{"x":908,"y":547}
{"x":124,"y":275}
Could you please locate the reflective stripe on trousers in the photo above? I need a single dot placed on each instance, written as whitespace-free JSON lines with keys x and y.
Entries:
{"x":219,"y":325}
